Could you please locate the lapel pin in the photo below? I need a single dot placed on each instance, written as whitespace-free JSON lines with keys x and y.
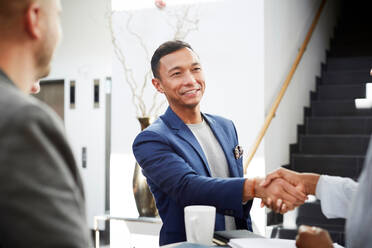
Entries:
{"x":238,"y":152}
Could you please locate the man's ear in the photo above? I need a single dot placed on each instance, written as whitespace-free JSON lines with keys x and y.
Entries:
{"x":32,"y":20}
{"x":157,"y":85}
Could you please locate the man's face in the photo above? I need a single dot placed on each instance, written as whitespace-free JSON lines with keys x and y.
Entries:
{"x":51,"y":11}
{"x":181,"y":79}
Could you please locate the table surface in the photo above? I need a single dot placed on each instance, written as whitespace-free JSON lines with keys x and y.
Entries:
{"x":186,"y":244}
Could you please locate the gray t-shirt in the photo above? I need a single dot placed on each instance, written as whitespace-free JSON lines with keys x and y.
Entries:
{"x":215,"y":156}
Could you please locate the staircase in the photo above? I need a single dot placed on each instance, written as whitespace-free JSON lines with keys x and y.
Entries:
{"x":335,"y":135}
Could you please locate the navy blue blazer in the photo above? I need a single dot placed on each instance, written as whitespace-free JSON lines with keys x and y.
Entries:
{"x":178,"y":174}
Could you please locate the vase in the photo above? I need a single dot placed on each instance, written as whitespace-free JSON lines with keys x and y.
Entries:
{"x":144,"y":200}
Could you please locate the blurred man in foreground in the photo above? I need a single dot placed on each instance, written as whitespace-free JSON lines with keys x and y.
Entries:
{"x":42,"y":199}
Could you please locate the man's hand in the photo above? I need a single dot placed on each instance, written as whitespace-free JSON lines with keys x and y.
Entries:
{"x":313,"y":237}
{"x":280,"y":195}
{"x":292,"y":177}
{"x":35,"y":88}
{"x":305,"y":182}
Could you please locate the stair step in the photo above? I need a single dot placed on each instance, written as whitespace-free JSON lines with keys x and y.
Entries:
{"x":341,"y":91}
{"x":347,"y":77}
{"x":337,"y":108}
{"x":347,"y":63}
{"x":311,"y":214}
{"x":334,"y":144}
{"x":286,"y":233}
{"x":336,"y":133}
{"x":352,"y":36}
{"x":351,"y":50}
{"x":338,"y":125}
{"x":333,"y":165}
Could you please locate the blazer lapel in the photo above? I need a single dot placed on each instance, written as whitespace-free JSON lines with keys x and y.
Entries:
{"x":185,"y":133}
{"x":227,"y":148}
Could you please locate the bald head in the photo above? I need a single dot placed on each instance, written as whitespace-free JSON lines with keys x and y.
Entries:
{"x":30,"y":31}
{"x":10,"y":8}
{"x":11,"y":11}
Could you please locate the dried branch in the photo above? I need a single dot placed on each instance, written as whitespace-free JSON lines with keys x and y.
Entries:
{"x":184,"y":23}
{"x":136,"y":35}
{"x":128,"y":74}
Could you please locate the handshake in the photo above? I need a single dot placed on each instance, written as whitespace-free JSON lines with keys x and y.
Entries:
{"x":281,"y":190}
{"x":284,"y":190}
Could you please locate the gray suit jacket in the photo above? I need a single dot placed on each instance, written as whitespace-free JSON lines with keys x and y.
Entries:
{"x":359,"y":221}
{"x":41,"y":193}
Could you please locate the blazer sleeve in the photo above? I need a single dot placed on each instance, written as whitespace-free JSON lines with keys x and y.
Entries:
{"x":41,"y":202}
{"x":175,"y":177}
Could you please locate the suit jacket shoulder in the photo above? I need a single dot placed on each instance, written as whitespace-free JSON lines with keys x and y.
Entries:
{"x":167,"y":122}
{"x":220,"y":119}
{"x":226,"y":124}
{"x":18,"y":108}
{"x":38,"y":177}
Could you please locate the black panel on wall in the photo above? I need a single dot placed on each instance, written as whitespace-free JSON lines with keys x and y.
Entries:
{"x":72,"y":94}
{"x":96,"y":93}
{"x":84,"y":156}
{"x":53,"y":94}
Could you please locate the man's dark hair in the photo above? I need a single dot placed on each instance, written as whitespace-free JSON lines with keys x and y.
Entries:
{"x":163,"y":50}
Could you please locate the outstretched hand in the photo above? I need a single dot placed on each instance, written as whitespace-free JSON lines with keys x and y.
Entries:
{"x":304,"y":182}
{"x":280,"y":195}
{"x":292,"y":177}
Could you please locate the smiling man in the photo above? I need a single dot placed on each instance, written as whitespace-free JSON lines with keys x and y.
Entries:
{"x":193,"y":158}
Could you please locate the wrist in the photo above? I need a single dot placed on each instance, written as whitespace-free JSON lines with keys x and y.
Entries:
{"x":258,"y":190}
{"x":250,"y":189}
{"x":310,"y":180}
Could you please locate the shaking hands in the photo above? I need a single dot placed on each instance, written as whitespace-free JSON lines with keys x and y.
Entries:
{"x":282,"y":190}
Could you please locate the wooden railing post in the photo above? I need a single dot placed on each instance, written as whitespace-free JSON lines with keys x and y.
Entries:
{"x":278,"y":99}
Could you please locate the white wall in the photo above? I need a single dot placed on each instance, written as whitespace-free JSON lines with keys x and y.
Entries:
{"x":85,"y":55}
{"x":85,"y":49}
{"x":286,"y":25}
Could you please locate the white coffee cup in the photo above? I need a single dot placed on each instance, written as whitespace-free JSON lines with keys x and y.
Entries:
{"x":199,"y":224}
